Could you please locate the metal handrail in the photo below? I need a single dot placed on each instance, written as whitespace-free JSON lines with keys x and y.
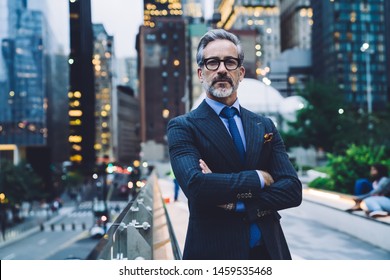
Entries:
{"x":175,"y":244}
{"x":131,"y":234}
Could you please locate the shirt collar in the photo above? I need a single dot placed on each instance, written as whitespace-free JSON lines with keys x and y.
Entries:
{"x":218,"y":106}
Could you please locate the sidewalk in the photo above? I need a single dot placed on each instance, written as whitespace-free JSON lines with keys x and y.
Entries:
{"x":318,"y":229}
{"x":329,"y":208}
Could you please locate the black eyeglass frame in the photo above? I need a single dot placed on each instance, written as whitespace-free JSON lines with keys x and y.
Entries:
{"x":219,"y":63}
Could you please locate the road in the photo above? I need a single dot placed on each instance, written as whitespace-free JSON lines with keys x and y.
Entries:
{"x":66,"y":238}
{"x":68,"y":227}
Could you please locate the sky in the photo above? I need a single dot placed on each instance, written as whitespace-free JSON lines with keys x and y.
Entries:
{"x":121,"y":18}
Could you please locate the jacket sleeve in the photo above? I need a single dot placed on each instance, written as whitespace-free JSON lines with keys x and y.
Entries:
{"x":286,"y":191}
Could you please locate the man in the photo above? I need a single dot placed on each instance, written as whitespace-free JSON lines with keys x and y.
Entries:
{"x":234,"y":190}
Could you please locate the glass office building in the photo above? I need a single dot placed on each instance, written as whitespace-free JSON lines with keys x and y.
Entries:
{"x":23,"y":102}
{"x":348,"y":47}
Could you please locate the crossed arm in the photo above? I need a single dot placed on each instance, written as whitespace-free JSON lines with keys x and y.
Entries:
{"x":268,"y":180}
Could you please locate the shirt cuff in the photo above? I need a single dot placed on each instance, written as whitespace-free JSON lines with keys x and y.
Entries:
{"x":261,"y":178}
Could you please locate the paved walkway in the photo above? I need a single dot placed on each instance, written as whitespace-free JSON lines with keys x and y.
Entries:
{"x":309,"y":229}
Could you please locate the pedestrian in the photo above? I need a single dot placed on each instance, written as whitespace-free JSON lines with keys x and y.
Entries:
{"x":176,"y":186}
{"x":176,"y":190}
{"x":375,"y":203}
{"x":233,"y":209}
{"x":376,"y":206}
{"x":365,"y":185}
{"x":3,"y":221}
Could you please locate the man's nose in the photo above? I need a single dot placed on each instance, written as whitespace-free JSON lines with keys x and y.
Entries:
{"x":222,"y":68}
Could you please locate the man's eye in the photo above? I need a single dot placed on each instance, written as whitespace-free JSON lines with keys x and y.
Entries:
{"x":231,"y":62}
{"x":212,"y":62}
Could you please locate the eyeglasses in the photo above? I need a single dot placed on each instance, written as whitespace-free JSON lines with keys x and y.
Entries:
{"x":212,"y":64}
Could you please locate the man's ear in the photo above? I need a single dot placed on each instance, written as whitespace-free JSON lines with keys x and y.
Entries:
{"x":200,"y":74}
{"x":242,"y":73}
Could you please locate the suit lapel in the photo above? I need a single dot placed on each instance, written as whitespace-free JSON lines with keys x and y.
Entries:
{"x":211,"y":126}
{"x":254,"y":131}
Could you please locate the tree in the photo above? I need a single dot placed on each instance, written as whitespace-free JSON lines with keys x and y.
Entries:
{"x":20,"y":182}
{"x":319,"y":123}
{"x":346,"y":168}
{"x":330,"y":123}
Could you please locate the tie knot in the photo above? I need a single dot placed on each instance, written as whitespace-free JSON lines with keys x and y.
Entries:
{"x":229,"y":112}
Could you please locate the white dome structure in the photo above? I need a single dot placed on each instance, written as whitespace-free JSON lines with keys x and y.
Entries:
{"x":290,"y":105}
{"x":255,"y":96}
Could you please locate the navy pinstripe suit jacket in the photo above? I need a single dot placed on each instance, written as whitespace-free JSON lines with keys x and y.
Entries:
{"x":213,"y":232}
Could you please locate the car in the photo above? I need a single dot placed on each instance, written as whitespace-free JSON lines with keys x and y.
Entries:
{"x":96,"y":231}
{"x":99,"y":230}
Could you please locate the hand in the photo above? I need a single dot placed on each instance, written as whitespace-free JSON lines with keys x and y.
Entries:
{"x":204,"y":167}
{"x":268,"y":180}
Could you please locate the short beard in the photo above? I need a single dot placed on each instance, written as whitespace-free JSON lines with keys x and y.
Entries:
{"x":219,"y":93}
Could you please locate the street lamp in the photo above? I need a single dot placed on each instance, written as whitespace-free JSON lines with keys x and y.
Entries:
{"x":365,"y":48}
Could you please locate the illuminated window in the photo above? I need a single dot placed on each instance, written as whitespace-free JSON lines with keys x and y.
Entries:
{"x":75,"y":122}
{"x":292,"y":80}
{"x":75,"y":113}
{"x":165,"y":113}
{"x":76,"y":158}
{"x":75,"y":139}
{"x":76,"y":148}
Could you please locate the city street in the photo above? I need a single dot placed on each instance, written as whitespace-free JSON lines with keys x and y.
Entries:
{"x":65,"y":236}
{"x":53,"y":238}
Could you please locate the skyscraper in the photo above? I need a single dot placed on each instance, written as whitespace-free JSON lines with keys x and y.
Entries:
{"x":103,"y":55}
{"x":154,"y":9}
{"x":387,"y":36}
{"x":26,"y":90}
{"x":261,"y":16}
{"x":24,"y":100}
{"x":82,"y":88}
{"x":295,"y":24}
{"x":163,"y":77}
{"x":340,"y":30}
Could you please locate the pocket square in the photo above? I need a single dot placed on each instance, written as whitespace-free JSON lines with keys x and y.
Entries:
{"x":268,"y":137}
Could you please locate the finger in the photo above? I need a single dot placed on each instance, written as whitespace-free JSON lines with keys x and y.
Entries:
{"x":204,"y":166}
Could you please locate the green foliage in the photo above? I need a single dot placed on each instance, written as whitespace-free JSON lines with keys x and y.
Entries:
{"x":320,"y":125}
{"x":20,"y":182}
{"x":323,"y":183}
{"x":73,"y":179}
{"x":353,"y":164}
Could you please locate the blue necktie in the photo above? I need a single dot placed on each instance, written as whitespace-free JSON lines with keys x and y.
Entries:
{"x":229,"y":113}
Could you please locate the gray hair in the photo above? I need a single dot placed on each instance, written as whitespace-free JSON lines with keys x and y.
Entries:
{"x":218,"y":34}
